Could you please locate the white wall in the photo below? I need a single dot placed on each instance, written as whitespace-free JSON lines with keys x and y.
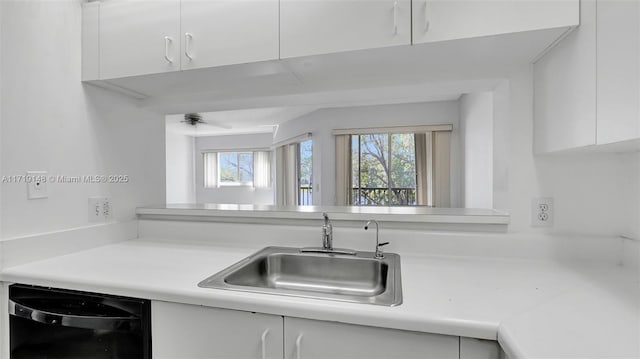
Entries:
{"x":594,"y":193}
{"x":180,"y":168}
{"x":322,"y":122}
{"x":240,"y":194}
{"x":51,"y":122}
{"x":632,"y":209}
{"x":476,"y":138}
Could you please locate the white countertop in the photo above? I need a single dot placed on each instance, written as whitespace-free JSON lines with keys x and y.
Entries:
{"x":534,"y":308}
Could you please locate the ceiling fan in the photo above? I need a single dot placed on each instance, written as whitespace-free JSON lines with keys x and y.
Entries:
{"x":194,"y":119}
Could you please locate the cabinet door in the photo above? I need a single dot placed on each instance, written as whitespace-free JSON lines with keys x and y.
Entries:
{"x":90,"y":41}
{"x":310,"y":27}
{"x":139,"y":37}
{"x":308,"y":339}
{"x":618,"y":70}
{"x":564,"y":100}
{"x":439,"y":20}
{"x":223,"y":32}
{"x":194,"y":332}
{"x":471,"y":348}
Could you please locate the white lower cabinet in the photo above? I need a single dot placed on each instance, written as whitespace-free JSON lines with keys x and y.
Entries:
{"x":471,"y":348}
{"x":181,"y":331}
{"x":307,"y":339}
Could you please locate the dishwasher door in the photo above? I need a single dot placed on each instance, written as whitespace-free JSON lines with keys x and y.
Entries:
{"x":63,"y":324}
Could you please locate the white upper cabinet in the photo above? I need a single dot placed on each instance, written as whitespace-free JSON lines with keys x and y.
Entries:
{"x":441,"y":20}
{"x":618,"y":71}
{"x":564,"y":103}
{"x":125,"y":40}
{"x":311,"y":27}
{"x":587,"y":88}
{"x":224,"y":32}
{"x":90,"y":41}
{"x":139,"y":37}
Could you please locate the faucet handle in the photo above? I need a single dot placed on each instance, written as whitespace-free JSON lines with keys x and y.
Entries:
{"x":383,"y":244}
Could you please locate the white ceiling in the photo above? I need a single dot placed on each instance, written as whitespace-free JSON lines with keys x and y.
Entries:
{"x":265,"y":120}
{"x":255,"y":120}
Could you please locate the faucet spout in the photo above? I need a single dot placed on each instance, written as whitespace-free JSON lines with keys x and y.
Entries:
{"x":378,"y":253}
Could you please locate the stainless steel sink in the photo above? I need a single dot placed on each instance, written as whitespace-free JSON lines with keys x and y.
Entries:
{"x":355,"y":277}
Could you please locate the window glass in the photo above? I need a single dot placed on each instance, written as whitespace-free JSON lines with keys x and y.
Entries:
{"x":403,"y":169}
{"x":373,"y":170}
{"x":235,"y":168}
{"x":305,"y":173}
{"x":245,"y":167}
{"x":383,"y":169}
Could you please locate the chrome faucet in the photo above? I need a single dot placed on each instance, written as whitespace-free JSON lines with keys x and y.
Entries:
{"x":378,"y":253}
{"x":327,"y":241}
{"x":327,"y":233}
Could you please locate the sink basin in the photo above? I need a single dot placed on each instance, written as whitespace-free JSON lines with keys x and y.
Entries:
{"x":287,"y":271}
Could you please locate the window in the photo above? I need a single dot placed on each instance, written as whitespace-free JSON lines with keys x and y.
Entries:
{"x":237,"y":169}
{"x":294,"y":171}
{"x":393,"y":166}
{"x":383,"y":169}
{"x":305,"y":173}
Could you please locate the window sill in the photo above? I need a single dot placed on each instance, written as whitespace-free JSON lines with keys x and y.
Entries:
{"x":454,"y":219}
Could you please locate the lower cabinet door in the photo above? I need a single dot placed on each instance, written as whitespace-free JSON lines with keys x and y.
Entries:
{"x":181,"y":331}
{"x":471,"y":348}
{"x":307,"y":339}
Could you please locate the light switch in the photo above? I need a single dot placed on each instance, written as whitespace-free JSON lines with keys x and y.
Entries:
{"x":36,"y":184}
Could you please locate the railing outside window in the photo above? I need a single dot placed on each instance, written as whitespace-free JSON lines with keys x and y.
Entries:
{"x":305,"y":195}
{"x":381,"y":196}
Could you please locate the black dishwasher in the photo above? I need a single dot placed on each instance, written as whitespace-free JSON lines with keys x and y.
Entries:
{"x":63,"y":324}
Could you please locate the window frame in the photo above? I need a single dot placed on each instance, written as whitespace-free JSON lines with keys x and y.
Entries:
{"x":389,"y":181}
{"x":244,"y":151}
{"x":237,"y":183}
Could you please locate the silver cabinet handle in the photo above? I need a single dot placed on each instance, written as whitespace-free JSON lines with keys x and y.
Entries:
{"x":298,"y":346}
{"x":395,"y":17}
{"x":167,"y":42}
{"x":263,"y":340}
{"x":187,"y":44}
{"x":426,"y":16}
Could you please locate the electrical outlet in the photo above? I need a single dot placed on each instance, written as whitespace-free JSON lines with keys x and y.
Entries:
{"x":542,"y":212}
{"x":36,"y":184}
{"x":99,"y":209}
{"x":106,"y":208}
